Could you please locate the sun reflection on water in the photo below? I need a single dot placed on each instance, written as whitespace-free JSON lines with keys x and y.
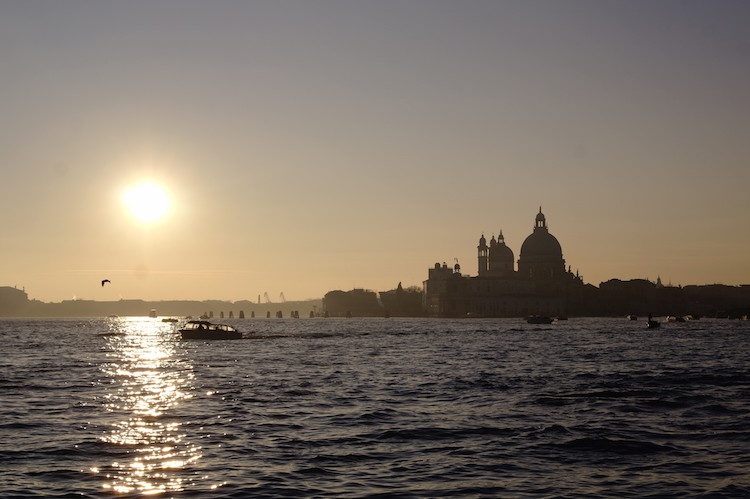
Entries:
{"x":148,"y":384}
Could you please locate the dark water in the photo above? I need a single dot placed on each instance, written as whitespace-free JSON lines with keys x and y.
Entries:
{"x":376,"y":407}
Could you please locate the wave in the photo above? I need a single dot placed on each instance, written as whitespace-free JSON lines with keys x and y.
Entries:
{"x":605,"y":445}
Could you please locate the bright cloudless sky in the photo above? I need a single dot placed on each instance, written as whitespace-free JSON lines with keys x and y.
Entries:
{"x":315,"y":145}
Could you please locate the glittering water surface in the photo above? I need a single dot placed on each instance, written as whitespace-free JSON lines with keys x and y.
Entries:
{"x":396,"y":407}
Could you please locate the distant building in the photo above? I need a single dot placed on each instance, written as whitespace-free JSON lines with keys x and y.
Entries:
{"x":541,"y":285}
{"x":13,"y":301}
{"x":354,"y":303}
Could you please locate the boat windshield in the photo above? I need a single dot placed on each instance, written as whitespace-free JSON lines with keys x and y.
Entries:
{"x":209,"y":326}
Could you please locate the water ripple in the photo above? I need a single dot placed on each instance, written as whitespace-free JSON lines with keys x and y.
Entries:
{"x":375,"y":408}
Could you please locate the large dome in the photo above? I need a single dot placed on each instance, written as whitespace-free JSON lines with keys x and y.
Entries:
{"x":541,"y":244}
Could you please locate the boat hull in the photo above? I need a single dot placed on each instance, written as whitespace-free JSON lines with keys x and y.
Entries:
{"x":538,"y":319}
{"x":211,"y":335}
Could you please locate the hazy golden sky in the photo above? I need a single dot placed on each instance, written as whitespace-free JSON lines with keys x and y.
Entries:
{"x":311,"y":145}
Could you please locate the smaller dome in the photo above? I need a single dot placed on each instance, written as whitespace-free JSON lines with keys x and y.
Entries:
{"x":482,"y":241}
{"x":502,"y":253}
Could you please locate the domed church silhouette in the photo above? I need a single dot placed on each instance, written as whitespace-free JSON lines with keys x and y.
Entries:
{"x":540,"y":286}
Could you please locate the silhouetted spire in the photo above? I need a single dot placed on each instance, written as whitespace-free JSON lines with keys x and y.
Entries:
{"x":541,"y":222}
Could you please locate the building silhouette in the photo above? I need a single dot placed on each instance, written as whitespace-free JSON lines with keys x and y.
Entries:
{"x":541,"y":285}
{"x":13,"y":301}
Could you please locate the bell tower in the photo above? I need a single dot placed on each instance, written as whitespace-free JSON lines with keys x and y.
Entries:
{"x":482,"y":255}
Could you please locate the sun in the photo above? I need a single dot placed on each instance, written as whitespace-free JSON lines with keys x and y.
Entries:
{"x":147,"y":202}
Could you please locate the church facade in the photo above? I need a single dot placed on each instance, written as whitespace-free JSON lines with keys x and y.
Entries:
{"x":540,"y":285}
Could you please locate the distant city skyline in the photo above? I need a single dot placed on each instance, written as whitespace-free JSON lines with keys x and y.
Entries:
{"x":188,"y":150}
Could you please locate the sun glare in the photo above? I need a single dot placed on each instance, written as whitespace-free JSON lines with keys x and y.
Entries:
{"x":147,"y":202}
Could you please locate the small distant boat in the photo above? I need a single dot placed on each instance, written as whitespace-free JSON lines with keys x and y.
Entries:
{"x":652,"y":324}
{"x":204,"y":330}
{"x":169,"y":319}
{"x":539,"y":319}
{"x":675,"y":318}
{"x":632,"y":317}
{"x":152,"y":313}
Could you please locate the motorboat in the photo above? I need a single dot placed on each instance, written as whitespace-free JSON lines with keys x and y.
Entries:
{"x":204,"y":330}
{"x":539,"y":319}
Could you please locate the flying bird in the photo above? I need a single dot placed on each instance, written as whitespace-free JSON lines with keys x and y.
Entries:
{"x":105,"y":280}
